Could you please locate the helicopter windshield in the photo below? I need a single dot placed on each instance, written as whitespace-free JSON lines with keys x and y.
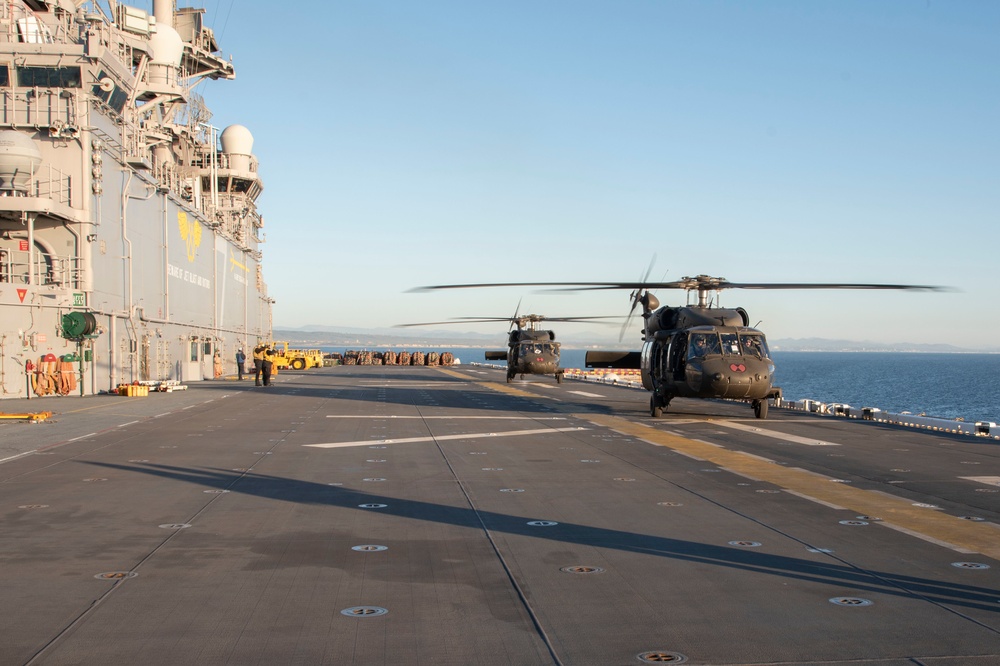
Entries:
{"x":754,"y":345}
{"x":540,"y":348}
{"x":730,"y":344}
{"x":703,"y":344}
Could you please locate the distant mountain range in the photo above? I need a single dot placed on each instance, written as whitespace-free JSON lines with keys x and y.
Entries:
{"x":362,"y":338}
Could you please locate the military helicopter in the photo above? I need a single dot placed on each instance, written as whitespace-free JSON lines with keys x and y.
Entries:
{"x":530,"y":350}
{"x":697,"y":350}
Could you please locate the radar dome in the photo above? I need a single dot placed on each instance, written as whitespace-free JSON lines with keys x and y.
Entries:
{"x":236,"y":140}
{"x":19,"y":158}
{"x":167,"y":46}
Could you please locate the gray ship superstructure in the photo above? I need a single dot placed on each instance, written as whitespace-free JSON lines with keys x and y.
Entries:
{"x":129,"y":232}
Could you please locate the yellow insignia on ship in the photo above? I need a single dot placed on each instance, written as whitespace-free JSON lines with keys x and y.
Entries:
{"x":190,"y":234}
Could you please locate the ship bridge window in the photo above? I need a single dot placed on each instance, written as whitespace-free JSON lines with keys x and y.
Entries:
{"x":115,"y":98}
{"x":4,"y":75}
{"x":49,"y":77}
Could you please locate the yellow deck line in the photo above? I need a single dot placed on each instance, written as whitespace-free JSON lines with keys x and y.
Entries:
{"x":502,"y":388}
{"x":921,"y":522}
{"x":978,"y":537}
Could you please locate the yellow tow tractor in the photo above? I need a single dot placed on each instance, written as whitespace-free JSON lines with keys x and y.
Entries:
{"x":296,"y":359}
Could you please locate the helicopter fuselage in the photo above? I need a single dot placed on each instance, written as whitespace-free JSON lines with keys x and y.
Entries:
{"x":531,"y":352}
{"x":699,"y":352}
{"x":708,"y":362}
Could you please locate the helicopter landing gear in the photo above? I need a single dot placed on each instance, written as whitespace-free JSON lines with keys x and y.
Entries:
{"x":510,"y":377}
{"x":559,"y":378}
{"x":760,"y":409}
{"x":657,"y":404}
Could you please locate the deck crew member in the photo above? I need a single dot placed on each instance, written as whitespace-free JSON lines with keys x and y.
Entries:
{"x":259,"y":353}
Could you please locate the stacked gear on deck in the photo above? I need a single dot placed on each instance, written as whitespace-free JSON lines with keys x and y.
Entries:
{"x":52,"y":375}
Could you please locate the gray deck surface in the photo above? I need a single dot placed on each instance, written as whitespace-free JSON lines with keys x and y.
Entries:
{"x":208,"y":527}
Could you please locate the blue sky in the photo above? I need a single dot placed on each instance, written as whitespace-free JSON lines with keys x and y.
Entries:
{"x":406,"y":143}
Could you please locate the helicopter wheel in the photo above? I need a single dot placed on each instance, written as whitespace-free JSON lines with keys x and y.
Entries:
{"x":559,"y":378}
{"x":655,"y":406}
{"x":760,"y":409}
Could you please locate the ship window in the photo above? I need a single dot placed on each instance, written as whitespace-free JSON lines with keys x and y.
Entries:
{"x":208,"y":349}
{"x":4,"y":75}
{"x":194,"y":350}
{"x":49,"y":77}
{"x":115,"y":98}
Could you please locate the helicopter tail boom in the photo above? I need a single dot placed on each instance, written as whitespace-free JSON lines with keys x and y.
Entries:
{"x":624,"y":360}
{"x":496,"y":356}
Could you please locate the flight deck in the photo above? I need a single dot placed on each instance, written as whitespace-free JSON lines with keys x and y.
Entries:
{"x":415,"y":515}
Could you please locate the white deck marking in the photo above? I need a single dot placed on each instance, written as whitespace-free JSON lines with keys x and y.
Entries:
{"x":773,"y":434}
{"x":586,"y":395}
{"x":988,"y":480}
{"x":19,"y":455}
{"x":441,"y":438}
{"x":497,"y":418}
{"x":401,"y":384}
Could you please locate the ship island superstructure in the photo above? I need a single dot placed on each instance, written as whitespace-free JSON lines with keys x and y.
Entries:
{"x":129,"y":232}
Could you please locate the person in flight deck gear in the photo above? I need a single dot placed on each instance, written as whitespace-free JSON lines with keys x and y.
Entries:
{"x":241,"y":358}
{"x":266,"y":365}
{"x":258,"y":362}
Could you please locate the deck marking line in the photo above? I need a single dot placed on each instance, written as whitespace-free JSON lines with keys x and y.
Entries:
{"x":585,"y":394}
{"x":988,"y":480}
{"x":899,"y":511}
{"x":773,"y":434}
{"x":828,"y":505}
{"x":19,"y":455}
{"x":440,"y":438}
{"x":501,"y":388}
{"x":425,"y":418}
{"x":936,"y":542}
{"x":81,"y":437}
{"x":122,"y":425}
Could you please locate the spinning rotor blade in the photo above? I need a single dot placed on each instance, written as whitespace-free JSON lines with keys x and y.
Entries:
{"x":465,"y":320}
{"x":513,"y":320}
{"x":636,"y":298}
{"x":700,"y":283}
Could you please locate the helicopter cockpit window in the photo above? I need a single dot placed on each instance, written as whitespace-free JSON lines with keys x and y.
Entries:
{"x":753,"y":345}
{"x":730,"y":344}
{"x":702,"y":344}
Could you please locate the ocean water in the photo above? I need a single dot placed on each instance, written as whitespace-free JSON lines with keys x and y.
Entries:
{"x":946,"y":386}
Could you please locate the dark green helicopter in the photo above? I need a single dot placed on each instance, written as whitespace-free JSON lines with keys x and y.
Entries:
{"x":530,"y":350}
{"x":697,"y":350}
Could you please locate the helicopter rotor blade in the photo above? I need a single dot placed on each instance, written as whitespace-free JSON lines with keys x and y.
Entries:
{"x":690,"y":284}
{"x":515,"y":319}
{"x":464,"y":320}
{"x":636,"y":297}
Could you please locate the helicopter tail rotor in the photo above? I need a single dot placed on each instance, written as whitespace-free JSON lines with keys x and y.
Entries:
{"x":641,"y":295}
